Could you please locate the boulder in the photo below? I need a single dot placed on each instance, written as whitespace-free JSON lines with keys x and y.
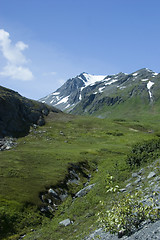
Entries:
{"x":84,"y":191}
{"x":66,"y":222}
{"x":151,"y":174}
{"x":53,"y":193}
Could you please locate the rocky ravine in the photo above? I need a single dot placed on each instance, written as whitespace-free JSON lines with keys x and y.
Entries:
{"x":79,"y":175}
{"x":148,"y":181}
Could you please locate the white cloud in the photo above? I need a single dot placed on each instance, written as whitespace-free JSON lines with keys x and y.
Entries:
{"x":49,"y":73}
{"x":15,"y":59}
{"x":17,"y":72}
{"x":53,"y":73}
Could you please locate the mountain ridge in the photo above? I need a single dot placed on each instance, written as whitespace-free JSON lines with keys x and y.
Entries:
{"x":87,"y":94}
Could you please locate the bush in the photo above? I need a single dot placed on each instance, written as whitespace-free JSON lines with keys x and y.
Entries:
{"x":142,"y":152}
{"x":127,"y":214}
{"x":14,"y":218}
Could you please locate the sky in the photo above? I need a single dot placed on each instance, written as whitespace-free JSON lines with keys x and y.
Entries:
{"x":43,"y":43}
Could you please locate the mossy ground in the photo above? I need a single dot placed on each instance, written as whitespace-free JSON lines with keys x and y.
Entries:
{"x":41,"y":159}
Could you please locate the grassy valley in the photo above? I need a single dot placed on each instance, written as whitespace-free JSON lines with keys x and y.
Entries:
{"x":41,"y":160}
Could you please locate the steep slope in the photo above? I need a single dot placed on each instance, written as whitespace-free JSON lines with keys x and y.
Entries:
{"x":101,"y":95}
{"x":18,"y":113}
{"x":71,"y":92}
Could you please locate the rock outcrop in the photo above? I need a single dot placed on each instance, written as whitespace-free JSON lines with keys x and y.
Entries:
{"x":18,"y":113}
{"x":78,"y":177}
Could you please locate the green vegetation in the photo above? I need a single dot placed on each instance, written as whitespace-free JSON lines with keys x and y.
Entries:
{"x":41,"y":160}
{"x":126,"y":212}
{"x":142,"y":152}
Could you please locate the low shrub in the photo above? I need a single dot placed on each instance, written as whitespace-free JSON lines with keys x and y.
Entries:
{"x":15,"y":218}
{"x":142,"y":152}
{"x":126,"y":213}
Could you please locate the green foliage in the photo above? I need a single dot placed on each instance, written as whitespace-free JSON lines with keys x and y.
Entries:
{"x":142,"y":152}
{"x":110,"y":185}
{"x":41,"y":159}
{"x":14,"y":217}
{"x":126,"y":213}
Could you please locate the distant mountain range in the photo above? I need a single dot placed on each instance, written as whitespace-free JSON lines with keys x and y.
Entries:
{"x":104,"y":96}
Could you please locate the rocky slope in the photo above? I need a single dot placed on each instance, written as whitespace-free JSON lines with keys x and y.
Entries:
{"x":146,"y":180}
{"x":18,"y":113}
{"x":90,"y":94}
{"x":148,"y":232}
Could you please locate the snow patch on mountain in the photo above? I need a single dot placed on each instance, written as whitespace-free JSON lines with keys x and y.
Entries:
{"x":51,"y":101}
{"x":123,"y":87}
{"x":110,"y":82}
{"x":91,"y":79}
{"x":154,"y":74}
{"x":144,"y":80}
{"x":63,"y":100}
{"x":55,"y":93}
{"x":148,"y":70}
{"x":107,"y":79}
{"x":80,"y":96}
{"x":67,"y":106}
{"x":149,"y":85}
{"x":135,"y":74}
{"x":101,"y":89}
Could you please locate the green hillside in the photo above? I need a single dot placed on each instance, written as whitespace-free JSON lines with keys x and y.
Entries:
{"x":130,"y":101}
{"x":41,"y":160}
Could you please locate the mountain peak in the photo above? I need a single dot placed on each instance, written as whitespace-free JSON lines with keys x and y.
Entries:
{"x":90,"y":79}
{"x":88,"y":89}
{"x":145,"y":70}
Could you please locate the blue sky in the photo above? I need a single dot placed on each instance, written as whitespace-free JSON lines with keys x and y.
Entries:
{"x":45,"y":42}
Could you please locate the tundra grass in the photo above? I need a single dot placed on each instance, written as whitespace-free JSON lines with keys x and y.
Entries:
{"x":41,"y":159}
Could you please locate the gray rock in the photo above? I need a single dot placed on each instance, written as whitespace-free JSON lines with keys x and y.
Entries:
{"x":65,"y":222}
{"x":53,"y":193}
{"x":84,"y":191}
{"x":22,"y":236}
{"x":141,"y":171}
{"x":73,"y":174}
{"x":50,"y":208}
{"x":134,"y":175}
{"x":75,"y":181}
{"x":8,"y":147}
{"x":151,"y":174}
{"x":147,"y":232}
{"x":128,"y":185}
{"x":156,"y":189}
{"x":122,"y":190}
{"x":63,"y":196}
{"x":41,"y":121}
{"x":152,"y":183}
{"x":157,"y":178}
{"x":137,"y":180}
{"x":7,"y":143}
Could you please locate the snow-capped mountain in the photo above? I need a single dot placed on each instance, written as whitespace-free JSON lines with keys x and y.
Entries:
{"x":88,"y":93}
{"x":70,"y":93}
